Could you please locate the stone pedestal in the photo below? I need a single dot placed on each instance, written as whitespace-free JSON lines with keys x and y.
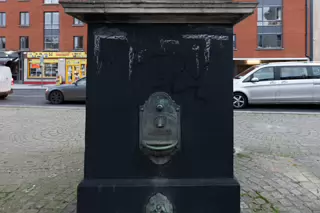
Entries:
{"x":184,"y":50}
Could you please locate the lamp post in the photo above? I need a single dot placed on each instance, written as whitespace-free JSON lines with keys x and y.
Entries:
{"x":42,"y":68}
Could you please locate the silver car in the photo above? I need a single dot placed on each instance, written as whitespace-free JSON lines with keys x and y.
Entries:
{"x":278,"y":83}
{"x":67,"y":92}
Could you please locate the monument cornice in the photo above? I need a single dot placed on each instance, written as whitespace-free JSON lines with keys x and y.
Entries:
{"x":159,"y":11}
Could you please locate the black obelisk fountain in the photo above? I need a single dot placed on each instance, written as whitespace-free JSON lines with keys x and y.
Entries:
{"x":159,"y":115}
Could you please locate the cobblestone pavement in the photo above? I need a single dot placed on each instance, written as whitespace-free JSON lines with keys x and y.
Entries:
{"x":41,"y":160}
{"x":279,"y":165}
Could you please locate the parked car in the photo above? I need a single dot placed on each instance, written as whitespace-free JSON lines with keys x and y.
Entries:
{"x":278,"y":83}
{"x":5,"y":82}
{"x":67,"y":92}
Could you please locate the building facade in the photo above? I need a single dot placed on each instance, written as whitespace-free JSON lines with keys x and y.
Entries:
{"x":316,"y":30}
{"x":277,"y":31}
{"x":35,"y":28}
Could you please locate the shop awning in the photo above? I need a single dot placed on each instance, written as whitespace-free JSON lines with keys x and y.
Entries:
{"x":4,"y":61}
{"x":7,"y":56}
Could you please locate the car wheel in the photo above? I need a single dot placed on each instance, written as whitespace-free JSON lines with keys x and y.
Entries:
{"x":3,"y":96}
{"x":240,"y":100}
{"x":56,"y":97}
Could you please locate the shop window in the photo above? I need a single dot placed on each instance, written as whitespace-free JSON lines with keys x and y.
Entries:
{"x":3,"y":19}
{"x":24,"y":19}
{"x":50,"y":69}
{"x":78,"y":42}
{"x":24,"y":43}
{"x":2,"y":42}
{"x":77,"y":22}
{"x":34,"y":70}
{"x":51,"y":30}
{"x":75,"y":69}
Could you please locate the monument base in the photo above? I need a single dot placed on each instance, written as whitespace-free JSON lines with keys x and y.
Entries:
{"x":133,"y":195}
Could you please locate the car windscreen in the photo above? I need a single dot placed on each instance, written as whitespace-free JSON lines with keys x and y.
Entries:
{"x":240,"y":75}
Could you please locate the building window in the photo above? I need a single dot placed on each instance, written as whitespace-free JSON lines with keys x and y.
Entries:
{"x":77,"y":22}
{"x":2,"y":42}
{"x":24,"y":43}
{"x":270,"y":24}
{"x":3,"y":19}
{"x":24,"y":19}
{"x":51,"y":30}
{"x":51,"y":1}
{"x":234,"y":42}
{"x":78,"y":42}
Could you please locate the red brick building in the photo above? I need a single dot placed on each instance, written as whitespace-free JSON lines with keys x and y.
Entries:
{"x":17,"y":24}
{"x":276,"y":32}
{"x":41,"y":26}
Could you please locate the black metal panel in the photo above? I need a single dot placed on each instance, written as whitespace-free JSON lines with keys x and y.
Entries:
{"x":126,"y":64}
{"x":187,"y":196}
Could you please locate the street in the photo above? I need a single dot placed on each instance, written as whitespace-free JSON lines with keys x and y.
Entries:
{"x":35,"y":97}
{"x":41,"y":160}
{"x":284,"y":108}
{"x":32,"y":97}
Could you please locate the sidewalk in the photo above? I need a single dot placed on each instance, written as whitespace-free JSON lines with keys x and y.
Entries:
{"x":31,"y":86}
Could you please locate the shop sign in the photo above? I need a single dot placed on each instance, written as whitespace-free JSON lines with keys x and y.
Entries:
{"x":57,"y":54}
{"x":76,"y":61}
{"x":35,"y":65}
{"x":46,"y":61}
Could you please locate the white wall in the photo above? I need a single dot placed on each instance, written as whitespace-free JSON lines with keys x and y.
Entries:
{"x":62,"y":68}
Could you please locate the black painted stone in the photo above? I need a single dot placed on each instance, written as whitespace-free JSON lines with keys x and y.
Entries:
{"x":126,"y":64}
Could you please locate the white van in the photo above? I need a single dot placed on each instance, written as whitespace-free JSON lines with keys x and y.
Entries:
{"x":5,"y":82}
{"x":278,"y":83}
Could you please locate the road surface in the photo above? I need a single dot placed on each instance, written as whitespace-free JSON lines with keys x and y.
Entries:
{"x":284,"y":108}
{"x":32,"y":97}
{"x":35,"y":97}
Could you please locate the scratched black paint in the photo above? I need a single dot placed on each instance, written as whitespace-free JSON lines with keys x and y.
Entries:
{"x":114,"y":94}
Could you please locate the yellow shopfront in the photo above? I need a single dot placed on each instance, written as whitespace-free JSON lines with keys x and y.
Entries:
{"x":69,"y":65}
{"x":75,"y":69}
{"x":50,"y":68}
